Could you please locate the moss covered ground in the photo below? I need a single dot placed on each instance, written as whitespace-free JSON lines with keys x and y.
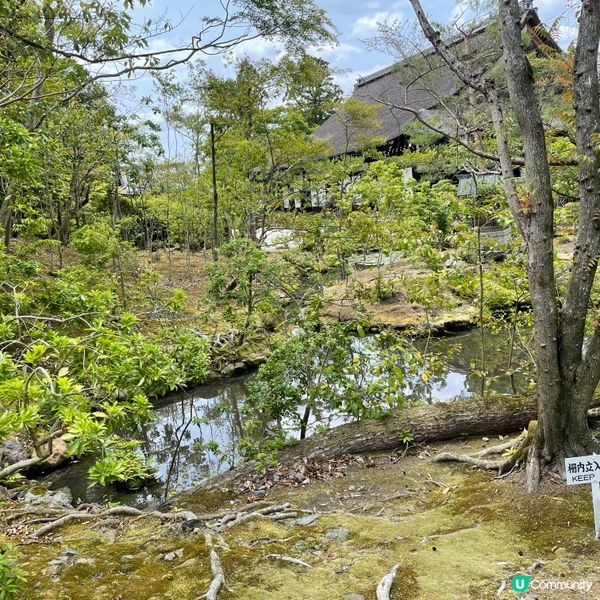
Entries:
{"x":457,"y":533}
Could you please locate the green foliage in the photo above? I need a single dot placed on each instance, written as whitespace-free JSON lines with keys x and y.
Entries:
{"x":123,"y":465}
{"x":498,"y":298}
{"x":310,"y":88}
{"x":242,"y":281}
{"x":327,"y":370}
{"x":19,"y":159}
{"x":86,"y":372}
{"x":12,"y":577}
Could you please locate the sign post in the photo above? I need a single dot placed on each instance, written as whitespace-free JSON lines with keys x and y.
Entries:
{"x":586,"y":469}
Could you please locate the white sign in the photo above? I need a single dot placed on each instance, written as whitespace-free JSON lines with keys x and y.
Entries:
{"x":586,"y":469}
{"x":582,"y":469}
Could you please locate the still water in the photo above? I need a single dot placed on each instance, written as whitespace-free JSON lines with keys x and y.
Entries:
{"x":187,"y":424}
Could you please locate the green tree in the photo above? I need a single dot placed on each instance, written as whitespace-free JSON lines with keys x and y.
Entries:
{"x":310,"y":88}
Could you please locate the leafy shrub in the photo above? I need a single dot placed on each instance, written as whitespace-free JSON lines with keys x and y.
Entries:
{"x":497,"y":297}
{"x":12,"y":577}
{"x":123,"y":465}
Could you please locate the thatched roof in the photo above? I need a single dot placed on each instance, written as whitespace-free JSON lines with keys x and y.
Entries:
{"x":421,"y":83}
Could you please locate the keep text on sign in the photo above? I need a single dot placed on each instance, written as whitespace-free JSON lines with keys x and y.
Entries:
{"x":582,"y":469}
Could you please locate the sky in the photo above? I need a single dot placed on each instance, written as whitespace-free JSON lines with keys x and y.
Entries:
{"x":355,"y":20}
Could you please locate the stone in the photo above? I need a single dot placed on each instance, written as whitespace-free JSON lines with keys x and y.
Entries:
{"x":307,"y":520}
{"x":354,"y":597}
{"x":169,"y":556}
{"x":190,"y":562}
{"x":342,"y":568}
{"x":127,"y":557}
{"x":58,"y":564}
{"x":90,"y":562}
{"x":192,"y":524}
{"x":233,"y":369}
{"x":13,"y":451}
{"x":254,"y":362}
{"x":59,"y":456}
{"x":339,"y":534}
{"x":39,"y":495}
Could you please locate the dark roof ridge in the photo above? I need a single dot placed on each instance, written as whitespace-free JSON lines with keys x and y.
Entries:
{"x":451,"y":42}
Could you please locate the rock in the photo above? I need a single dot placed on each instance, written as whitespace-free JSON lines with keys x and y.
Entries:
{"x":233,"y":369}
{"x":343,"y":568}
{"x":169,"y":556}
{"x":192,"y":524}
{"x":127,"y":557}
{"x":13,"y":451}
{"x":39,"y":495}
{"x":339,"y":534}
{"x":90,"y":562}
{"x":58,"y":564}
{"x":307,"y":520}
{"x":110,"y":535}
{"x":190,"y":562}
{"x":354,"y":597}
{"x":59,"y":456}
{"x":254,"y":362}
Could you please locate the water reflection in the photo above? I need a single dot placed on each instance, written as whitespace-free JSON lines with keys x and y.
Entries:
{"x":189,"y":426}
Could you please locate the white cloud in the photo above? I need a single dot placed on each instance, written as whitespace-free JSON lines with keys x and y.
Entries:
{"x":346,"y":80}
{"x":566,"y":34}
{"x":259,"y":48}
{"x":335,"y":53}
{"x":368,"y":25}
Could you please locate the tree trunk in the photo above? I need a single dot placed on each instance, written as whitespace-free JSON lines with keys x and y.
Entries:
{"x":565,"y":393}
{"x":567,"y":374}
{"x":215,"y":195}
{"x":433,"y":423}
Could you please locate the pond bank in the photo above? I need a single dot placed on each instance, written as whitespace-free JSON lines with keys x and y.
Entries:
{"x":181,"y":441}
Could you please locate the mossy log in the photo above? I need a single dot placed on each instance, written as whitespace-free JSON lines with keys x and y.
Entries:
{"x":424,"y":424}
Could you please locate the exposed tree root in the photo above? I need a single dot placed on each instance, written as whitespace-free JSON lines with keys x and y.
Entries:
{"x":218,"y":516}
{"x":500,"y":448}
{"x":284,"y":516}
{"x":225,"y":520}
{"x":218,"y":580}
{"x":20,"y":465}
{"x":385,"y":585}
{"x":518,"y":451}
{"x":127,"y":511}
{"x":237,"y":518}
{"x":289,"y":559}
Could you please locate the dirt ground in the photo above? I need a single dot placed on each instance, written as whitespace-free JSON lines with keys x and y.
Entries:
{"x":397,"y":311}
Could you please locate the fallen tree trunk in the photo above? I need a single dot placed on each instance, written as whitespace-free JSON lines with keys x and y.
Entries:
{"x":424,"y":424}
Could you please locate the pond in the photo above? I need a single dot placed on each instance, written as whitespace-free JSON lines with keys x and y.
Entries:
{"x":182,"y":439}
